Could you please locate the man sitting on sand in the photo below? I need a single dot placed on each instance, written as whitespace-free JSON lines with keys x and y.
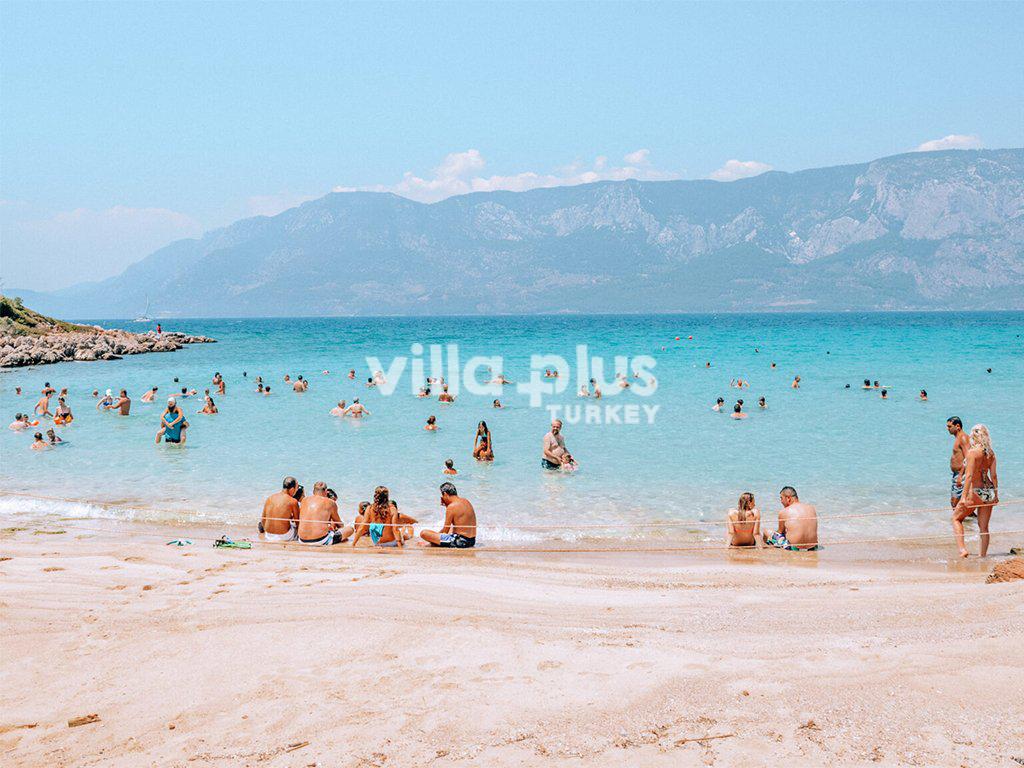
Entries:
{"x":798,"y":524}
{"x":319,"y":523}
{"x":280,"y":519}
{"x":459,"y":529}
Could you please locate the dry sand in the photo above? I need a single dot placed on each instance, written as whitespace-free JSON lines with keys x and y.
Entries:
{"x":200,"y":657}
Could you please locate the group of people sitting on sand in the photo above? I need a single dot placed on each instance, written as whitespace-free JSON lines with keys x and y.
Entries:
{"x":797,"y":529}
{"x":313,"y":519}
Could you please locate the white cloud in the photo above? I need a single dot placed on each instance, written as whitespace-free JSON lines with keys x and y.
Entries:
{"x":953,"y":141}
{"x":640,"y":157}
{"x":46,"y":251}
{"x":461,"y":172}
{"x":739,"y":169}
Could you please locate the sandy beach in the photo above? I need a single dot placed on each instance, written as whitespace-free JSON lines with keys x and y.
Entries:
{"x":196,"y":656}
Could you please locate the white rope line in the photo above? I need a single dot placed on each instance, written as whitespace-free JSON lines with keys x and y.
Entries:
{"x":570,"y":550}
{"x":580,"y":526}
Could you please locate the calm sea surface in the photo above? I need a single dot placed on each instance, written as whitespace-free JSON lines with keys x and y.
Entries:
{"x":846,"y":450}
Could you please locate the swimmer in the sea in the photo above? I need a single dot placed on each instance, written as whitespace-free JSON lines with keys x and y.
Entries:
{"x":737,"y":412}
{"x":339,"y":409}
{"x":39,"y":444}
{"x":923,"y":397}
{"x":53,"y":437}
{"x":449,"y":467}
{"x":445,"y":396}
{"x":357,"y":410}
{"x":43,"y":406}
{"x":796,"y":383}
{"x":149,"y":396}
{"x":762,"y":402}
{"x":497,"y":404}
{"x":431,"y":425}
{"x":719,"y":405}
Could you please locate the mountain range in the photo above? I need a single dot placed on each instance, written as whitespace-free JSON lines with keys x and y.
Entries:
{"x":919,"y":231}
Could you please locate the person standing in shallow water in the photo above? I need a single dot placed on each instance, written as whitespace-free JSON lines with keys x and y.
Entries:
{"x":961,"y":444}
{"x":483,"y":449}
{"x":553,"y":447}
{"x":981,"y":489}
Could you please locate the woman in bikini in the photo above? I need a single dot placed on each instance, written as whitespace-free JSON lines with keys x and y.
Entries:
{"x":744,"y":523}
{"x":483,"y":450}
{"x":380,"y":520}
{"x":981,"y":489}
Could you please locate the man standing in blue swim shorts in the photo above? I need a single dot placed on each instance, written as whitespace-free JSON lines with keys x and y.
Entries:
{"x":961,"y":444}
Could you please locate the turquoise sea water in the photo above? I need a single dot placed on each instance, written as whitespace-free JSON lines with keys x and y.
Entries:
{"x":845,"y":450}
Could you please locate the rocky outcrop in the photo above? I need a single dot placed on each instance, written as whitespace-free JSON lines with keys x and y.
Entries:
{"x":95,"y":344}
{"x":1008,"y":570}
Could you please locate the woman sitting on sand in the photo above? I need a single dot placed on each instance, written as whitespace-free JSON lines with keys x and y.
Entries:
{"x":483,"y":450}
{"x":380,"y":520}
{"x":744,"y":523}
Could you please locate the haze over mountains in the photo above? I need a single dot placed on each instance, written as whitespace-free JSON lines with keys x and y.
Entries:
{"x":930,"y":230}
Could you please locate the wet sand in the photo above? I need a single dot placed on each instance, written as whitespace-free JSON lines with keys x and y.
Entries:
{"x":289,"y":656}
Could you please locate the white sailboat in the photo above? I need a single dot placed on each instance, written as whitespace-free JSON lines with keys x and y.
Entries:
{"x":144,"y":317}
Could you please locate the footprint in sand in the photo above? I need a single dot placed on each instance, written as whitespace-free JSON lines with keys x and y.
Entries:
{"x":640,"y":665}
{"x":118,"y":587}
{"x":491,"y":666}
{"x":548,"y":665}
{"x":110,"y":567}
{"x":134,"y":559}
{"x":51,"y":569}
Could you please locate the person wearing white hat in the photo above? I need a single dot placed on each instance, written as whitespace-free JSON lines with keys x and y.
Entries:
{"x":172,"y":424}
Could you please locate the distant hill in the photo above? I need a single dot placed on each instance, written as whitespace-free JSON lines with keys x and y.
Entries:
{"x":936,"y":230}
{"x":18,"y":320}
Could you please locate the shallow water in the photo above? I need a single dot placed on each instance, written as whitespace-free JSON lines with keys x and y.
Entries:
{"x":845,"y":450}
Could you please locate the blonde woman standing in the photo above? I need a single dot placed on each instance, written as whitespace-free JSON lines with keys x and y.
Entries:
{"x":981,"y":488}
{"x":744,"y":522}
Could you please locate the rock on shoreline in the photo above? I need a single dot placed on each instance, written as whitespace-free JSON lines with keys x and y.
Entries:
{"x":95,"y":344}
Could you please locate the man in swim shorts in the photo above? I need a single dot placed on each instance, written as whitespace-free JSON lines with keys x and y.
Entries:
{"x":280,"y":519}
{"x":319,"y":523}
{"x":798,"y":524}
{"x":459,"y":528}
{"x":553,"y":447}
{"x":123,"y":404}
{"x":961,"y":444}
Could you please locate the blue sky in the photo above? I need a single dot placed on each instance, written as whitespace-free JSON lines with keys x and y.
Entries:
{"x":126,"y":126}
